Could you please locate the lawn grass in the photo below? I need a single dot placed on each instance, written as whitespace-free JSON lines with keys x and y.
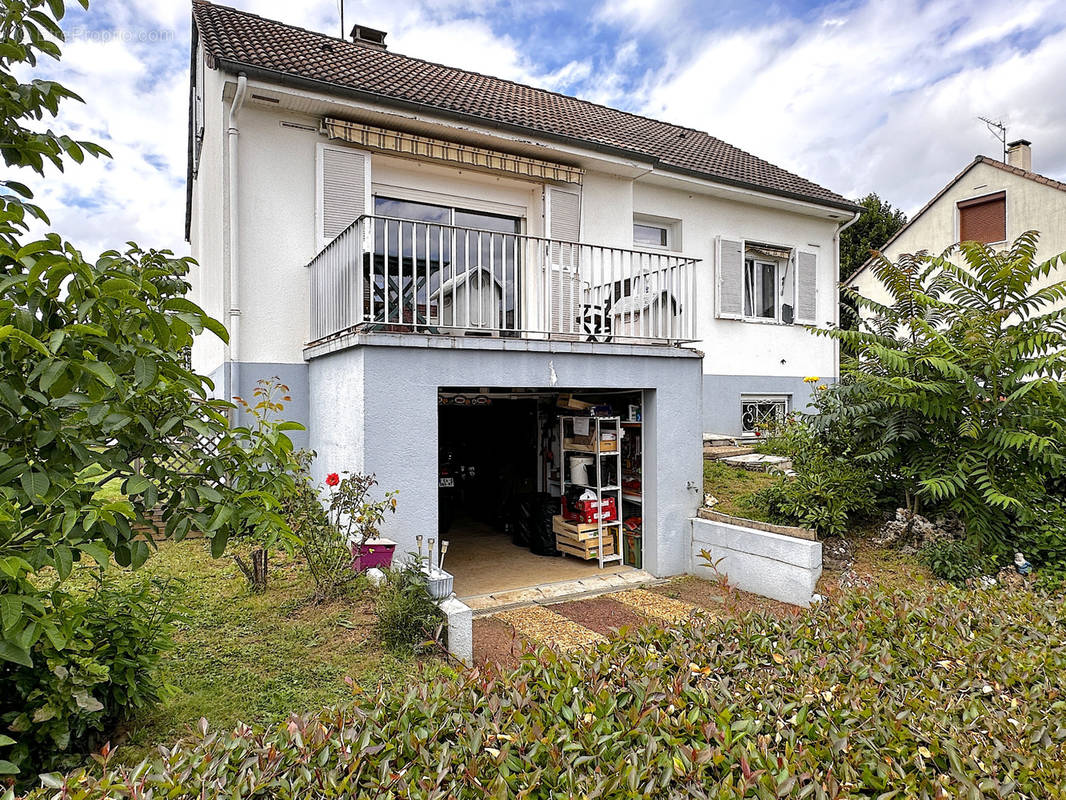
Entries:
{"x":733,"y":487}
{"x":240,"y":657}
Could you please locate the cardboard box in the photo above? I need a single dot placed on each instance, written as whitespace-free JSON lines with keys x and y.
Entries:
{"x":568,"y":401}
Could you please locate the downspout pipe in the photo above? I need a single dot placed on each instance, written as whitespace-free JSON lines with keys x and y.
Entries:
{"x":836,"y":311}
{"x":234,"y":315}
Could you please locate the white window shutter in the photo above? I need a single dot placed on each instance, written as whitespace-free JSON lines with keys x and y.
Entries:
{"x":344,"y":189}
{"x":806,"y":288}
{"x":563,"y":213}
{"x":788,"y":288}
{"x":730,"y":294}
{"x":562,"y":222}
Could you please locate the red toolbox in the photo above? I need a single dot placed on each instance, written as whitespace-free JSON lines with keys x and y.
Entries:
{"x":590,"y":511}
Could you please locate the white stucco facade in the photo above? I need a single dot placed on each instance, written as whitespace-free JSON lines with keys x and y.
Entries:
{"x":1032,"y":203}
{"x":279,"y":142}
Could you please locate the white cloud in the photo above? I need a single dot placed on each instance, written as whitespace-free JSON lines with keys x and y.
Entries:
{"x":871,"y":96}
{"x":881,"y":98}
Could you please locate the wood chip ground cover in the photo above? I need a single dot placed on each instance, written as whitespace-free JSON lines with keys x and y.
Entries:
{"x":936,"y":693}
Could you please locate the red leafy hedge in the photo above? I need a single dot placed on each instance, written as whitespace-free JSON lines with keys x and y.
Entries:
{"x":940,"y":694}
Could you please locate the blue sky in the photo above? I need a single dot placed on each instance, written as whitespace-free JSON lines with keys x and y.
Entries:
{"x":858,"y":96}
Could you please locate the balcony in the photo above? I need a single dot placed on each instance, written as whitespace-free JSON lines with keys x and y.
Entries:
{"x":396,"y":275}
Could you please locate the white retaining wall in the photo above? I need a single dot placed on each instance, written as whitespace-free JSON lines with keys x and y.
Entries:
{"x":780,"y":567}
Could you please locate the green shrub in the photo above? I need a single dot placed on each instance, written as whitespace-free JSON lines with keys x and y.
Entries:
{"x":956,"y":560}
{"x":107,"y":670}
{"x":829,"y":488}
{"x":408,"y":619}
{"x":942,"y":693}
{"x":954,"y":386}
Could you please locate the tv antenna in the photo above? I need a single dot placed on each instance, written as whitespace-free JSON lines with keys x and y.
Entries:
{"x":998,"y":129}
{"x":342,"y":18}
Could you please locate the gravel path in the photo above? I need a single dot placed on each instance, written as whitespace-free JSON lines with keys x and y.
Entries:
{"x":600,"y":614}
{"x":543,"y":624}
{"x":583,"y":623}
{"x":654,"y":605}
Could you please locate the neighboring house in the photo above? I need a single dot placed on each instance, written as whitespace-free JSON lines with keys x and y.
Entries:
{"x":395,"y":239}
{"x":989,"y":201}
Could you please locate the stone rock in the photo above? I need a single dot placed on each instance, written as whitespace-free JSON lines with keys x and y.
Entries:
{"x":1009,"y":578}
{"x":908,"y":531}
{"x":850,"y":579}
{"x":837,"y":553}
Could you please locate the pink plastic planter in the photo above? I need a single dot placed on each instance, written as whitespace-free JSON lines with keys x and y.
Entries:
{"x":373,"y":553}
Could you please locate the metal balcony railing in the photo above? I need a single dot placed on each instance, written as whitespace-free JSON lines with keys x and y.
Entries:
{"x":387,"y":274}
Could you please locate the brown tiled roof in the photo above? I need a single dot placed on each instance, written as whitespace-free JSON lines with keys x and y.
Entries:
{"x":1036,"y":177}
{"x":1022,"y":173}
{"x":238,"y":40}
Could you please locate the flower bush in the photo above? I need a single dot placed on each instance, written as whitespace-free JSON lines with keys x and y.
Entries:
{"x":943,"y":693}
{"x":327,"y":534}
{"x":352,"y":512}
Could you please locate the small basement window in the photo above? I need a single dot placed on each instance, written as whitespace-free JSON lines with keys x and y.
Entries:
{"x":757,"y":413}
{"x":983,"y":219}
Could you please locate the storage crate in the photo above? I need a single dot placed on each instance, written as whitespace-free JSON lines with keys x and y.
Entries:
{"x":587,"y":549}
{"x":583,"y":531}
{"x":606,"y":446}
{"x":588,"y":511}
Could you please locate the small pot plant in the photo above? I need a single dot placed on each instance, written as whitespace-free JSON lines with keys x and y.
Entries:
{"x":358,"y":518}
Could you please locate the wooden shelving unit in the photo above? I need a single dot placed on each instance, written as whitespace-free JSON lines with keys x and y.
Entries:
{"x":599,"y":540}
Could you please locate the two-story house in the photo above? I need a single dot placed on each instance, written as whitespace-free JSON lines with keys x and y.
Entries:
{"x":990,"y":201}
{"x":441,"y":264}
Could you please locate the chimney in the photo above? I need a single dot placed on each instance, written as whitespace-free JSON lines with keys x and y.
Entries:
{"x":1020,"y":154}
{"x":369,"y":37}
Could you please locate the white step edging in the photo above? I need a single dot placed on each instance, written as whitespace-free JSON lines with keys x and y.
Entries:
{"x":773,"y":565}
{"x":459,"y":620}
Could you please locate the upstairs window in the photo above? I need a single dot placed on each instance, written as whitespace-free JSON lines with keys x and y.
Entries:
{"x":651,"y":235}
{"x":762,"y":282}
{"x":656,"y":233}
{"x":983,"y":219}
{"x":768,"y":283}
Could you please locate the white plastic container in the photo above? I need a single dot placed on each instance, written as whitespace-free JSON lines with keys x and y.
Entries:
{"x":583,"y":470}
{"x":438,"y":582}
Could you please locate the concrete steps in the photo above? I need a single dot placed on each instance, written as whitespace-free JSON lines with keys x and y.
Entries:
{"x":486,"y":604}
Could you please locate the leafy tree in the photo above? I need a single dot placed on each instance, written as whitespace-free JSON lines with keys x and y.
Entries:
{"x":956,"y":387}
{"x":877,"y":223}
{"x":95,"y":394}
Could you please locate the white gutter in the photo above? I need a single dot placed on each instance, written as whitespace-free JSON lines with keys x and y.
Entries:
{"x":233,"y":190}
{"x":836,"y":311}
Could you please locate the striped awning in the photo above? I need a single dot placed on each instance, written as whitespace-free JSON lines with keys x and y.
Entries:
{"x":767,"y":251}
{"x":408,"y":144}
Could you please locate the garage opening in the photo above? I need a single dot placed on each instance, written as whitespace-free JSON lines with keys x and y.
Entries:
{"x":521,"y":502}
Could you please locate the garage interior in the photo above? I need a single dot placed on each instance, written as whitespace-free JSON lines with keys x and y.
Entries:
{"x":503,"y":473}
